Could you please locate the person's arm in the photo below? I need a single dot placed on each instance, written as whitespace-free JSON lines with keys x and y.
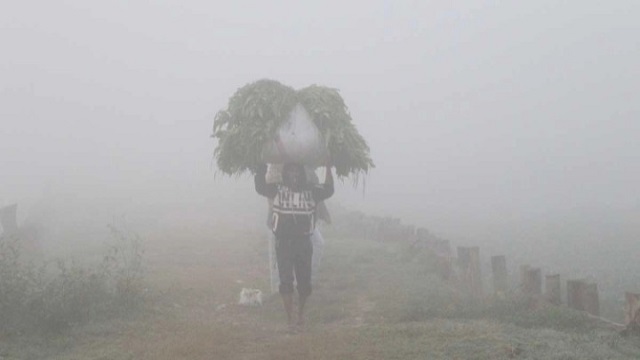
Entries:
{"x":324,"y":191}
{"x":262,"y":188}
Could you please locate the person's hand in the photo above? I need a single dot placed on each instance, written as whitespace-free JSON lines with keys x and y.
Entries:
{"x":261,"y":169}
{"x":328,"y":164}
{"x":328,"y":172}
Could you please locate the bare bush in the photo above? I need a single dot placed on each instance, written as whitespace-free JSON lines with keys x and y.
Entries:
{"x":53,"y":296}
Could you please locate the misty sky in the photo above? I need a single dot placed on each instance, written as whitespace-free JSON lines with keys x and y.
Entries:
{"x":476,"y":112}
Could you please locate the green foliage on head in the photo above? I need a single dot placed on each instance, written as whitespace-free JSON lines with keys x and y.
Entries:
{"x":256,"y":111}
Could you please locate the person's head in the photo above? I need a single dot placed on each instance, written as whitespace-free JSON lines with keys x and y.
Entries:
{"x":293,"y":175}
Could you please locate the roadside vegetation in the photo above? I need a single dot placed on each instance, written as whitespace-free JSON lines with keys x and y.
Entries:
{"x":381,"y":301}
{"x":371,"y":300}
{"x":49,"y":296}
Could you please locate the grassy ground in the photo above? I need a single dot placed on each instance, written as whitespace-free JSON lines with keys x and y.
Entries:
{"x":370,"y":301}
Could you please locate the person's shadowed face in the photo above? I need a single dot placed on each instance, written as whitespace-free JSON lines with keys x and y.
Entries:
{"x":293,"y":175}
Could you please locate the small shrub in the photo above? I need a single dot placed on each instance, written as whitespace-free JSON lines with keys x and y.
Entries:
{"x":53,"y":298}
{"x":123,"y":264}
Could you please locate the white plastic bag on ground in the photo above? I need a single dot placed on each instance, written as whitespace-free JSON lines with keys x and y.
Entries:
{"x":250,"y":297}
{"x":298,"y":140}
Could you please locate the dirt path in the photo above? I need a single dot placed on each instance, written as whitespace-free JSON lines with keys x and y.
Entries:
{"x":195,"y":276}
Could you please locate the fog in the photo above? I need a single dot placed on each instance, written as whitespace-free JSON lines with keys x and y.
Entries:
{"x":487,"y":120}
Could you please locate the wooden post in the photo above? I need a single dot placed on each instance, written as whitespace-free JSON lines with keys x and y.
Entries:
{"x":499,"y":271}
{"x":591,"y":299}
{"x":533,"y":282}
{"x":632,"y":311}
{"x":583,"y":296}
{"x":523,"y":276}
{"x":463,"y":257}
{"x":476,"y":272}
{"x":469,"y":263}
{"x":530,"y":281}
{"x":552,"y":289}
{"x":442,"y":247}
{"x":463,"y":265}
{"x":575,"y":294}
{"x":442,"y":250}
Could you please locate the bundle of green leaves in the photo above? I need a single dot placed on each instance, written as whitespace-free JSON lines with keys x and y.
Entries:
{"x":256,"y":111}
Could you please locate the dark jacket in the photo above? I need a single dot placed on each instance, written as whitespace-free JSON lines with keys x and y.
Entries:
{"x":294,"y":211}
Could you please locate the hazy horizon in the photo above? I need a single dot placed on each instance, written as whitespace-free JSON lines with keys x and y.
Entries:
{"x":481,"y":115}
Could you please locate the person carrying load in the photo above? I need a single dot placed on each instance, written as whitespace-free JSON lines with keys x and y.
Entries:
{"x":293,"y":221}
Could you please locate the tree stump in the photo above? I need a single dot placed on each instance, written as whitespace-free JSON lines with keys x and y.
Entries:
{"x":583,"y":296}
{"x":532,"y":282}
{"x":442,"y":249}
{"x":471,"y":276}
{"x":575,"y":294}
{"x":591,"y":299}
{"x":500,"y":279}
{"x":553,"y":292}
{"x":632,"y":312}
{"x":523,"y":276}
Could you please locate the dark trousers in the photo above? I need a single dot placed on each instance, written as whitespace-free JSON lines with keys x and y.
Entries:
{"x":294,"y":255}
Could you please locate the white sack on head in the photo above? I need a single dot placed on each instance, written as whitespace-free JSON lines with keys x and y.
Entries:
{"x":274,"y":174}
{"x":298,"y":140}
